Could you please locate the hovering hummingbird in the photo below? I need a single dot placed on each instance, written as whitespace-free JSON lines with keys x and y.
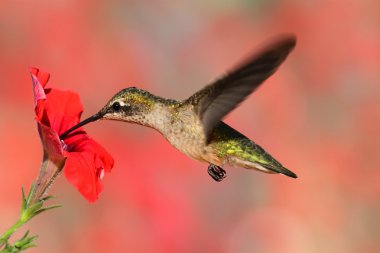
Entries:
{"x":194,"y":126}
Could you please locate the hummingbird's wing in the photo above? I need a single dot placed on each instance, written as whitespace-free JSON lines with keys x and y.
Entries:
{"x":216,"y":100}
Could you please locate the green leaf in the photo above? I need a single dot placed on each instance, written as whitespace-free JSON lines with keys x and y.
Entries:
{"x":47,"y":208}
{"x":30,"y":194}
{"x":47,"y":198}
{"x":25,"y":235}
{"x":23,"y":243}
{"x":23,"y":204}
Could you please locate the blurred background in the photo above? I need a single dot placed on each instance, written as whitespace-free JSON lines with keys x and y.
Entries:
{"x":319,"y":115}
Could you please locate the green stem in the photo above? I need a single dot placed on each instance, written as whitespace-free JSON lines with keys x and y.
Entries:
{"x":4,"y":238}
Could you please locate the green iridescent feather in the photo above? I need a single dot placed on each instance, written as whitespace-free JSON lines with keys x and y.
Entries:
{"x":232,"y":144}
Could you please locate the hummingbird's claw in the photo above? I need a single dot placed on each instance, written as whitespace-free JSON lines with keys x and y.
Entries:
{"x":216,"y":172}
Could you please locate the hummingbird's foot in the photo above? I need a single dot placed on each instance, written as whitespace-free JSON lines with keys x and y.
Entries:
{"x":216,"y":172}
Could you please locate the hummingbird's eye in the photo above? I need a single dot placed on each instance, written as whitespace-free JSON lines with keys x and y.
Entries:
{"x":116,"y":106}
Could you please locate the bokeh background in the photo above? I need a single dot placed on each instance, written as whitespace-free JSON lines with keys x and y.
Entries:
{"x":319,"y":115}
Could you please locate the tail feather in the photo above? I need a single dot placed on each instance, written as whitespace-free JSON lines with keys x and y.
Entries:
{"x":236,"y":149}
{"x":273,"y":168}
{"x":282,"y":170}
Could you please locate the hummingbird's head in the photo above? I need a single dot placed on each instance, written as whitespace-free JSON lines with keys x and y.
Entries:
{"x":130,"y":105}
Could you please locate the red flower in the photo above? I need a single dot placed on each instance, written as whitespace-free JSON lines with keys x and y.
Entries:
{"x":84,"y":159}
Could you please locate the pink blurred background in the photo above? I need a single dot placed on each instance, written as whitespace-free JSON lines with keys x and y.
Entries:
{"x":319,"y":115}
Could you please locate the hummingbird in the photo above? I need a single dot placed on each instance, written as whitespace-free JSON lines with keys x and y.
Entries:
{"x":194,"y":126}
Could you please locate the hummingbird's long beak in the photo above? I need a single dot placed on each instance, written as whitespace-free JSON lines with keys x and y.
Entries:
{"x":94,"y":117}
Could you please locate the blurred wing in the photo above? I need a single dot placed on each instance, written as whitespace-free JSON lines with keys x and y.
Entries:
{"x":216,"y":100}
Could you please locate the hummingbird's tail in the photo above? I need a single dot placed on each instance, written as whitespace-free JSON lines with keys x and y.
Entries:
{"x":236,"y":149}
{"x":270,"y":167}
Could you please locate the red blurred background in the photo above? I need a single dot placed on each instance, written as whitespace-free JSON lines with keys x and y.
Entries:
{"x":319,"y":115}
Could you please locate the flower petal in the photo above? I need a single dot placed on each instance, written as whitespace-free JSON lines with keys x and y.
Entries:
{"x":42,"y":76}
{"x":38,"y":90}
{"x":61,"y":110}
{"x":51,"y":143}
{"x":85,"y":164}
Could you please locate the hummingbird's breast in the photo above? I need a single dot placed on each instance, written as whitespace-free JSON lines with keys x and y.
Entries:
{"x":182,"y":128}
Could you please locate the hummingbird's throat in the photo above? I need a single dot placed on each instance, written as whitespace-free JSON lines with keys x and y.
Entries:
{"x":93,"y":118}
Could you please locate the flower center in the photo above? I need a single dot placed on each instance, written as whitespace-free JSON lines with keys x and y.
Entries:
{"x":64,"y":146}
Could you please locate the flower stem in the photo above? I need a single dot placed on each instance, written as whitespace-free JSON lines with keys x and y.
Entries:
{"x":29,"y":210}
{"x":4,"y":238}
